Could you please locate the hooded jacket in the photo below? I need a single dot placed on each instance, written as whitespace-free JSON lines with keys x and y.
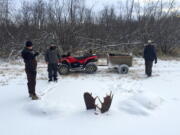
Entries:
{"x":52,"y":55}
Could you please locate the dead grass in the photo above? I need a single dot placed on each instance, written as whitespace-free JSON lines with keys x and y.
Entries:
{"x":169,"y":58}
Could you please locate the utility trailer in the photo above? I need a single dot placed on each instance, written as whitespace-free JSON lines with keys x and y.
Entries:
{"x":119,"y":62}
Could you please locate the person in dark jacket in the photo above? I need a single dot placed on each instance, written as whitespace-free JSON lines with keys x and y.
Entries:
{"x":149,"y":57}
{"x":29,"y":56}
{"x":52,"y":57}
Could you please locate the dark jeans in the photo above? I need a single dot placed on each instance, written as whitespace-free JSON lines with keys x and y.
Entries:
{"x":31,"y":77}
{"x":52,"y":71}
{"x":148,"y":67}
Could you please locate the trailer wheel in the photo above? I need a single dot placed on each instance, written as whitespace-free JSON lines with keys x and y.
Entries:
{"x":123,"y":69}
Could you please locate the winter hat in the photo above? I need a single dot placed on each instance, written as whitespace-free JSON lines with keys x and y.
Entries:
{"x":29,"y":44}
{"x":52,"y":47}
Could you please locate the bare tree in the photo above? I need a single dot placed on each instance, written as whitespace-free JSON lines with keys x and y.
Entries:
{"x":73,"y":26}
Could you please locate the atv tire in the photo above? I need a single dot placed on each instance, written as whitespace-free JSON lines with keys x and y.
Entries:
{"x":90,"y":68}
{"x":63,"y":69}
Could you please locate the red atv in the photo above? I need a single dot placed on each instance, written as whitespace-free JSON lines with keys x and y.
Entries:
{"x":85,"y":63}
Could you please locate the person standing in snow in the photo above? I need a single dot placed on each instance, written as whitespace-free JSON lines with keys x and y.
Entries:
{"x":149,"y":56}
{"x":29,"y":56}
{"x":52,"y":57}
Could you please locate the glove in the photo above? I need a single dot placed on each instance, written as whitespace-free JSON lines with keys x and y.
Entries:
{"x":155,"y":61}
{"x":36,"y":54}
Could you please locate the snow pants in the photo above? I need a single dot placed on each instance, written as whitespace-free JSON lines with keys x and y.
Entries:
{"x":31,"y":78}
{"x":148,"y":67}
{"x":52,"y":71}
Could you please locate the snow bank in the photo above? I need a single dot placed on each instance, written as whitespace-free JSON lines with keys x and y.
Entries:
{"x":140,"y":103}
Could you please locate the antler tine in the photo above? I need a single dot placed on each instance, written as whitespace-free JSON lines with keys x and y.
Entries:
{"x":99,"y":100}
{"x":112,"y":96}
{"x":98,"y":107}
{"x":110,"y":93}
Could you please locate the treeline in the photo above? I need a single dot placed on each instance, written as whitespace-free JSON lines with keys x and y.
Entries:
{"x":74,"y":26}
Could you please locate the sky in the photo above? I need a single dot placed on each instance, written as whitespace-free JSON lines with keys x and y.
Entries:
{"x":98,"y":4}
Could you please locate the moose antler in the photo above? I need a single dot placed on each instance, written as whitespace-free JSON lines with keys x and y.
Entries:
{"x":89,"y":101}
{"x":106,"y":104}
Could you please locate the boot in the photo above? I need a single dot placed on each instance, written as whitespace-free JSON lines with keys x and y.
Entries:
{"x":55,"y":79}
{"x":50,"y":80}
{"x":30,"y":95}
{"x":34,"y":97}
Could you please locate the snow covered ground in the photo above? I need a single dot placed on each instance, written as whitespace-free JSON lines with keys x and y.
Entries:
{"x":141,"y":105}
